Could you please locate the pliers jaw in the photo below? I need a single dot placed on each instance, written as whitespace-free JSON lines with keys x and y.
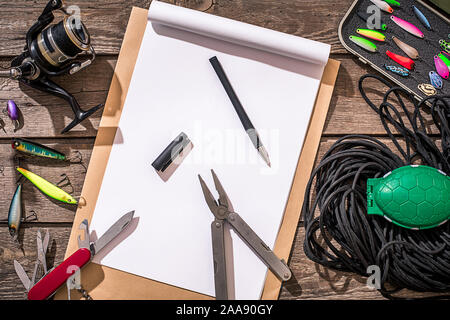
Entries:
{"x":222,"y":207}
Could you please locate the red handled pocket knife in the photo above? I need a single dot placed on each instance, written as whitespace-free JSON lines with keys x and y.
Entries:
{"x":56,"y":277}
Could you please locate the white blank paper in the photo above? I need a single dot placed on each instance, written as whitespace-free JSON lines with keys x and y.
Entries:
{"x":175,"y":89}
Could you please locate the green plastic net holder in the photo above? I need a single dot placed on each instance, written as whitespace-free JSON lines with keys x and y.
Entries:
{"x":413,"y":197}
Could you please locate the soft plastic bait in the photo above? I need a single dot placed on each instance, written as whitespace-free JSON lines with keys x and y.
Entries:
{"x":407,"y":26}
{"x":382,"y":5}
{"x":401,"y":60}
{"x":15,"y":213}
{"x":413,"y":197}
{"x":398,"y":70}
{"x":364,"y":43}
{"x":371,"y":34}
{"x":435,"y":80}
{"x":37,"y":149}
{"x":47,"y":188}
{"x":406,"y":48}
{"x":441,"y":67}
{"x":421,"y":17}
{"x":365,"y":16}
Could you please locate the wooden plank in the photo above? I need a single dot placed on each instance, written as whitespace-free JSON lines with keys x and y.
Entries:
{"x":45,"y":115}
{"x":312,"y":281}
{"x":47,"y":209}
{"x":106,"y":20}
{"x":10,"y":285}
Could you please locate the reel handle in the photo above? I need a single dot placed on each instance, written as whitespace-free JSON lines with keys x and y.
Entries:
{"x":46,"y":85}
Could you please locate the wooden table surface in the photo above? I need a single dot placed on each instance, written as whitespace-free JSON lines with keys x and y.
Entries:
{"x":45,"y":116}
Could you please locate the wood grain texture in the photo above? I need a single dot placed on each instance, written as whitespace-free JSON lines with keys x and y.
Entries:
{"x":46,"y":116}
{"x":107,"y":20}
{"x":10,"y":285}
{"x":310,"y":281}
{"x":47,"y":209}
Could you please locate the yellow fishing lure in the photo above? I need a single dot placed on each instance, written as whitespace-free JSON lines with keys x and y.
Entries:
{"x":48,"y":188}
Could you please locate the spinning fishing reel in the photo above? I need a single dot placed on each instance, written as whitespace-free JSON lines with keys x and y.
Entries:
{"x":52,"y":52}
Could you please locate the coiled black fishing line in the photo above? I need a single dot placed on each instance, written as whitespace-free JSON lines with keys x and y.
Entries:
{"x":343,"y":236}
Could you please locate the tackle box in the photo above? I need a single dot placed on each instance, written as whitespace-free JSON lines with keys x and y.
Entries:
{"x":427,"y":47}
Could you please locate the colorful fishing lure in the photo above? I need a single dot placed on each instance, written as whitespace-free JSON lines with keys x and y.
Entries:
{"x":407,"y":26}
{"x":410,"y":51}
{"x":37,"y":149}
{"x":421,"y":17}
{"x":401,"y":60}
{"x":441,"y":67}
{"x":365,"y":17}
{"x":12,"y":110}
{"x":445,"y":59}
{"x":15,"y":213}
{"x":393,"y":3}
{"x":371,"y":34}
{"x":382,"y":5}
{"x":435,"y":80}
{"x":48,"y":188}
{"x":364,"y":43}
{"x":427,"y":89}
{"x":398,"y":70}
{"x":444,"y":45}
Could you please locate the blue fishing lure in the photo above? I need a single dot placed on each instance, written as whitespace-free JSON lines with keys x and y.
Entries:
{"x":398,"y":70}
{"x":15,"y":213}
{"x":435,"y":80}
{"x":421,"y":17}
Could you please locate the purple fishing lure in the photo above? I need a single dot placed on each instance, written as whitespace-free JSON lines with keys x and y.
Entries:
{"x":11,"y":109}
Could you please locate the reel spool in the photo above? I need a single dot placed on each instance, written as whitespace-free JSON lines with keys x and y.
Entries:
{"x":52,"y":51}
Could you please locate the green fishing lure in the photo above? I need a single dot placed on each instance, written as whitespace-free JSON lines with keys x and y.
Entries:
{"x":393,"y":3}
{"x":47,"y":188}
{"x":36,"y":149}
{"x":413,"y":197}
{"x":364,"y":43}
{"x":371,"y":34}
{"x":444,"y":59}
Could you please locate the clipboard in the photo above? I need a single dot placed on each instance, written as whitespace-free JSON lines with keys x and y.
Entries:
{"x":104,"y":283}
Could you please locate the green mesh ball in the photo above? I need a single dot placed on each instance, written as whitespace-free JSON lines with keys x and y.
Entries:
{"x":413,"y":197}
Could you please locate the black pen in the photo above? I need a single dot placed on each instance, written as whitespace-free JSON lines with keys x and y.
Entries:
{"x":248,"y":126}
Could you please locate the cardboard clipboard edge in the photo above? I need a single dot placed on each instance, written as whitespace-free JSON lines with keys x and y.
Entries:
{"x":285,"y":238}
{"x":141,"y":288}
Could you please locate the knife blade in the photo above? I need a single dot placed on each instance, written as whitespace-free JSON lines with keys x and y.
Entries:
{"x":22,"y":275}
{"x":112,"y":232}
{"x":36,"y":265}
{"x":40,"y":251}
{"x":59,"y":275}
